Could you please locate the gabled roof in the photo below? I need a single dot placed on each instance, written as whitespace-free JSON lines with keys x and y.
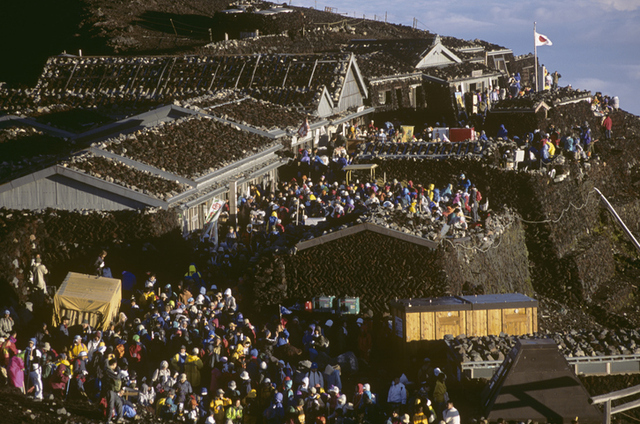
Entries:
{"x":286,"y":79}
{"x":407,"y":50}
{"x":303,"y":245}
{"x":439,"y":55}
{"x":417,"y":53}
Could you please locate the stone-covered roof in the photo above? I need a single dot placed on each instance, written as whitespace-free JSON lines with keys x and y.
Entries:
{"x":259,"y":114}
{"x":460,"y":44}
{"x":380,"y":64}
{"x":190,"y":147}
{"x":25,"y":149}
{"x":407,"y":51}
{"x":117,"y":172}
{"x":96,"y":80}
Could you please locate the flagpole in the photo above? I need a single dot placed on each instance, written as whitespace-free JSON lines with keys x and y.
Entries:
{"x":535,"y":55}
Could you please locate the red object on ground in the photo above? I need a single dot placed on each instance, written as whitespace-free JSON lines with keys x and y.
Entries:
{"x":461,"y":134}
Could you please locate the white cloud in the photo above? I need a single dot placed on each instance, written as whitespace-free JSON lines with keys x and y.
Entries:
{"x":621,"y":5}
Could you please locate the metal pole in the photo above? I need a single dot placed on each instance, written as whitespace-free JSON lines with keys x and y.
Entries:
{"x":606,"y":419}
{"x":535,"y":55}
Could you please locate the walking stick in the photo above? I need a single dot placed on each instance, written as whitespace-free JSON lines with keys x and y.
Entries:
{"x":68,"y":385}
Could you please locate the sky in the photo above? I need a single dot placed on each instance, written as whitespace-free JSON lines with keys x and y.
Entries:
{"x":596,"y":43}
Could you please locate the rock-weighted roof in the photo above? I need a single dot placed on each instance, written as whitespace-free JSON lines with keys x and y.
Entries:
{"x":95,"y":81}
{"x":190,"y":147}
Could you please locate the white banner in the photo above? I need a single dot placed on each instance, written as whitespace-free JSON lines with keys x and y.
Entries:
{"x":212,"y":220}
{"x":314,"y":221}
{"x":214,"y":211}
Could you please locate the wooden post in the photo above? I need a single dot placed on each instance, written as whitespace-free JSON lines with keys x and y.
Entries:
{"x":233,"y":202}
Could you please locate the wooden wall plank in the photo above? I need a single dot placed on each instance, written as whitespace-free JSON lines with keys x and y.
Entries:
{"x":476,"y":324}
{"x":494,"y":321}
{"x":412,"y":323}
{"x":427,"y":326}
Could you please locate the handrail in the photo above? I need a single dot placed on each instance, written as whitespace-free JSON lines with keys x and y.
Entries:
{"x":619,"y":220}
{"x":618,"y":394}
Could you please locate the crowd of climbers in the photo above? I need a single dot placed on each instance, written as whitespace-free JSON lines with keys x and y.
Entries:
{"x":186,"y":352}
{"x":191,"y":354}
{"x":576,"y":143}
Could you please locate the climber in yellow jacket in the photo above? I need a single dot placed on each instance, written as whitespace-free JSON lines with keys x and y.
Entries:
{"x":192,"y":366}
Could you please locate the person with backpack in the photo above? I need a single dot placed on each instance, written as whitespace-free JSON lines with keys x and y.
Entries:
{"x":80,"y":373}
{"x":251,"y":410}
{"x":166,"y":407}
{"x":585,"y":138}
{"x":234,"y":412}
{"x":111,"y":386}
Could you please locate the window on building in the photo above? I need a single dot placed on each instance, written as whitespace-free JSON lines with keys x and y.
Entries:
{"x":399,"y":97}
{"x":416,"y":96}
{"x":383,"y":96}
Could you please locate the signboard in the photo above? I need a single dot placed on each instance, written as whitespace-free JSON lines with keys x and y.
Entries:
{"x":441,"y":133}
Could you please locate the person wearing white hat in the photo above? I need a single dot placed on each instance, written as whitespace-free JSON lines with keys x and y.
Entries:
{"x":397,"y":396}
{"x":77,"y":347}
{"x":229,"y":300}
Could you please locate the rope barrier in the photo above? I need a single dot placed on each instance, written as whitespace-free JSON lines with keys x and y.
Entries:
{"x":553,"y":221}
{"x":492,"y":246}
{"x":629,"y":416}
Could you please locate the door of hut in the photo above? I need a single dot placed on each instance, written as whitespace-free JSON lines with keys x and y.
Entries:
{"x":515,"y":321}
{"x":450,"y":322}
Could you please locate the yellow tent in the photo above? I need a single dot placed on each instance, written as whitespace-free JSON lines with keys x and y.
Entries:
{"x":83,"y":296}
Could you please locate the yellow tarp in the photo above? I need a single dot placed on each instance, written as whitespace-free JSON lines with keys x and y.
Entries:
{"x":83,"y":296}
{"x":407,"y":133}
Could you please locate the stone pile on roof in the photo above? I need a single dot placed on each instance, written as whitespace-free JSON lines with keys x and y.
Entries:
{"x":409,"y":51}
{"x":190,"y":147}
{"x":23,"y":150}
{"x":459,"y":44}
{"x":258,"y":113}
{"x":117,"y":172}
{"x":281,"y":78}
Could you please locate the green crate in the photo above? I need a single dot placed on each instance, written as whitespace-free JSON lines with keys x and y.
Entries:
{"x":323,"y":303}
{"x":349,"y":305}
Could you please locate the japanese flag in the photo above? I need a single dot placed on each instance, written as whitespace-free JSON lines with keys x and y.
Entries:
{"x":542,"y":40}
